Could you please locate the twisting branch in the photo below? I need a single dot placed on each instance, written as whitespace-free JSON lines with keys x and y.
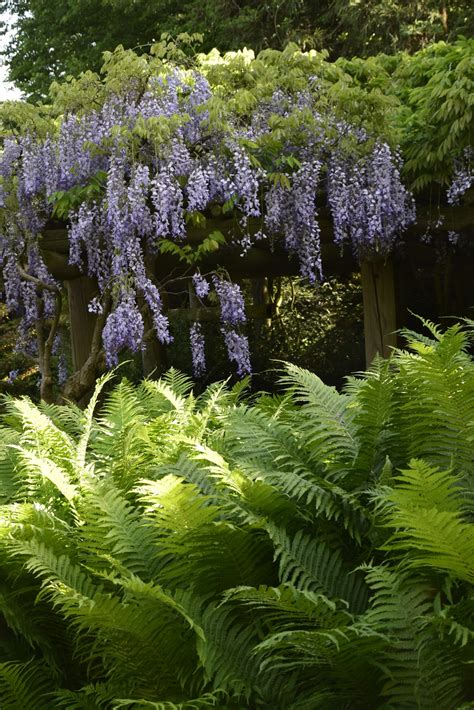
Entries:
{"x":46,"y":374}
{"x":38,"y":283}
{"x":45,"y":347}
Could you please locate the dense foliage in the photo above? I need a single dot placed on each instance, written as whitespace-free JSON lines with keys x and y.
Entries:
{"x":310,"y":550}
{"x":53,"y":39}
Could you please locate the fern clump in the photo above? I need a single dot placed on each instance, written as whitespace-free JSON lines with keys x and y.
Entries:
{"x":309,"y":550}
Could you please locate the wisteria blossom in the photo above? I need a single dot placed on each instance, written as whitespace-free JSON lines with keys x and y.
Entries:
{"x":238,"y":351}
{"x":124,"y":329}
{"x":369,"y":204}
{"x":12,"y":376}
{"x":201,"y":286}
{"x":231,"y":301}
{"x":292,"y":211}
{"x":198,"y":353}
{"x":463,"y":177}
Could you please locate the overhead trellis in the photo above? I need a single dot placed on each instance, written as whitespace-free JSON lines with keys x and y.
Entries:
{"x":205,"y":164}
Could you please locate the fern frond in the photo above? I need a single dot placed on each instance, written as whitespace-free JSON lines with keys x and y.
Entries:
{"x":279,"y":460}
{"x":35,"y":470}
{"x":324,"y":428}
{"x":39,"y":434}
{"x":398,"y":608}
{"x":208,"y":700}
{"x":174,"y":506}
{"x":54,"y":570}
{"x":308,"y":564}
{"x":370,"y":410}
{"x":25,"y":685}
{"x":195,"y":546}
{"x":226,"y":651}
{"x":424,"y":511}
{"x":168,"y":394}
{"x":68,"y":417}
{"x":116,"y":532}
{"x":285,"y":607}
{"x":433,"y":414}
{"x":88,"y":418}
{"x":9,"y":438}
{"x":180,"y":383}
{"x":89,"y":697}
{"x":115,"y":443}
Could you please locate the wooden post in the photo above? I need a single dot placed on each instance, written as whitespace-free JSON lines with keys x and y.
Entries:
{"x":80,"y":292}
{"x":378,"y":291}
{"x":261,"y":297}
{"x":154,"y":355}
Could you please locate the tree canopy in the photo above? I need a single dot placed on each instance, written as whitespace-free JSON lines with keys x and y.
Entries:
{"x":54,"y":38}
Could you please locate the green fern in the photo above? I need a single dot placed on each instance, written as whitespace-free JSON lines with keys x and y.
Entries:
{"x":424,"y":510}
{"x":310,"y":565}
{"x":312,"y":549}
{"x":25,"y":685}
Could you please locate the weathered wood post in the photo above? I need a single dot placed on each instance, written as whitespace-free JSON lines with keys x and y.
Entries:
{"x":80,"y":292}
{"x":261,"y":297}
{"x":378,"y":292}
{"x":83,"y":326}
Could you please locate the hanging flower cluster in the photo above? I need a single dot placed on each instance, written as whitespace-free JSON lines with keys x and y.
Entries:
{"x":198,"y":353}
{"x":293,"y":213}
{"x":369,"y":204}
{"x":147,"y":161}
{"x":232,"y":309}
{"x":463,"y":177}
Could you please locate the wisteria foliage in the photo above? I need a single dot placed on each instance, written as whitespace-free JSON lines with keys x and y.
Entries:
{"x":158,"y":159}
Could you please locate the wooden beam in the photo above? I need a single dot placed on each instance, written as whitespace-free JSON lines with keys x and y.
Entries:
{"x":203,"y":314}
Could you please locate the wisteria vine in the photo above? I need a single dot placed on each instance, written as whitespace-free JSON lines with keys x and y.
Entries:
{"x":146,"y":161}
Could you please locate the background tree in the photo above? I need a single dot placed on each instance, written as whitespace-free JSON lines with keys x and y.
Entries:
{"x":54,"y":38}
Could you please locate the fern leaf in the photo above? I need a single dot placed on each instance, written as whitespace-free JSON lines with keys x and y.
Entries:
{"x":25,"y":685}
{"x":309,"y":564}
{"x":424,"y":510}
{"x":87,"y":420}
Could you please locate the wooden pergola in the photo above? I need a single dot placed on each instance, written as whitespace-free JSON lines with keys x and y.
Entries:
{"x":383,"y":280}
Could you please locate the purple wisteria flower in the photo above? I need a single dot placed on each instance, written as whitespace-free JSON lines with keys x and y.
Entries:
{"x":124,"y":329}
{"x":201,"y":286}
{"x":12,"y":376}
{"x":137,"y":198}
{"x":463,"y":177}
{"x":231,"y":301}
{"x":238,"y":351}
{"x":292,"y":212}
{"x":246,"y":183}
{"x":160,"y":321}
{"x":82,"y":226}
{"x":95,"y":306}
{"x":369,"y":204}
{"x":197,"y":188}
{"x":198,"y":354}
{"x":167,"y":198}
{"x":145,"y":186}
